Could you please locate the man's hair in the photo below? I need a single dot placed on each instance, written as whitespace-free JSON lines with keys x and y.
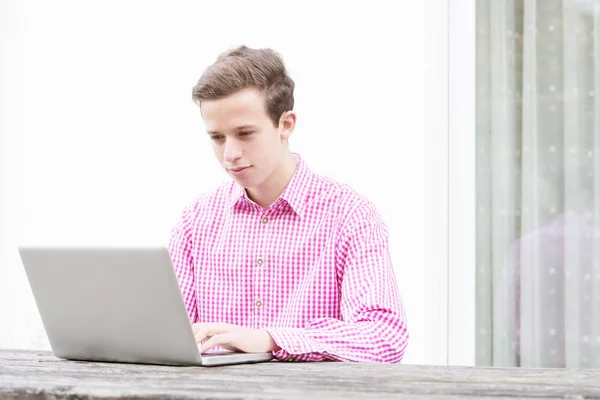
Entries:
{"x":242,"y":68}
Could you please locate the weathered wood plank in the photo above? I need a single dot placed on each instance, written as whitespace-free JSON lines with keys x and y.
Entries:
{"x":39,"y":375}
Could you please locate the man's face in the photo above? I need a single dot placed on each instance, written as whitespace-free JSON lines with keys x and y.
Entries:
{"x":244,"y":138}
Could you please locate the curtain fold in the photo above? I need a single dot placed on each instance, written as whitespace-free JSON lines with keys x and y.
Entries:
{"x":538,"y":183}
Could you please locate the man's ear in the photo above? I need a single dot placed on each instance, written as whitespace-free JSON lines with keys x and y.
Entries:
{"x":287,"y":123}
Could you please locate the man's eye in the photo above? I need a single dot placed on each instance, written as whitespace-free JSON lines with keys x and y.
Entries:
{"x":245,"y":133}
{"x":216,"y":137}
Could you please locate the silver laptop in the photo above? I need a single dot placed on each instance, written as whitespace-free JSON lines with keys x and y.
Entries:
{"x":116,"y":304}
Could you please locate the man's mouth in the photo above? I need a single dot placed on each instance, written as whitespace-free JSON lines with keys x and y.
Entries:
{"x":238,"y":169}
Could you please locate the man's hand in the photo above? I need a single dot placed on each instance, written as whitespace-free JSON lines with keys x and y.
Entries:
{"x":233,"y":337}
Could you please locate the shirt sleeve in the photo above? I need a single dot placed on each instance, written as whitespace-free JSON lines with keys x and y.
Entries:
{"x":373,"y":326}
{"x":180,"y":246}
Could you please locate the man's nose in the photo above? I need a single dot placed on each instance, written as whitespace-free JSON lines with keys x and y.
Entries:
{"x":232,"y":151}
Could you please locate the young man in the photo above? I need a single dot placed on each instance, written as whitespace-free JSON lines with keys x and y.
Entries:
{"x":281,"y":259}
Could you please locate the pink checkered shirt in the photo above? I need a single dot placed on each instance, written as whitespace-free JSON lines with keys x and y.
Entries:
{"x":313,"y":270}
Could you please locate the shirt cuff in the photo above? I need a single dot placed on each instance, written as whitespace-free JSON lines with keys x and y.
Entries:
{"x":294,"y":342}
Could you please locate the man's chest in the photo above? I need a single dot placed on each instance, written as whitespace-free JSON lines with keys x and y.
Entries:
{"x":259,"y":265}
{"x":241,"y":243}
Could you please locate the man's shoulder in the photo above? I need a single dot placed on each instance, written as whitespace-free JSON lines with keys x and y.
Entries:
{"x":359,"y":216}
{"x":214,"y":201}
{"x":347,"y":199}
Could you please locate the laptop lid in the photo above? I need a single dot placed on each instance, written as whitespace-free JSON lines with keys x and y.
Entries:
{"x":119,"y":304}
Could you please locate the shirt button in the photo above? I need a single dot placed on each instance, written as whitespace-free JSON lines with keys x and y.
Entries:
{"x":265,"y":220}
{"x":258,"y":303}
{"x":259,"y":261}
{"x":290,"y":358}
{"x":295,"y":349}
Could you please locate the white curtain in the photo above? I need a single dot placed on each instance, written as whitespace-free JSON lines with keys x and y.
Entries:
{"x":538,"y":183}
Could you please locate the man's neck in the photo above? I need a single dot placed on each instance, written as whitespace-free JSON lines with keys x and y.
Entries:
{"x":269,"y":192}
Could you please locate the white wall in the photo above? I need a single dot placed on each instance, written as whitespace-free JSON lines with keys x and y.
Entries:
{"x":102,"y":144}
{"x":461,"y":188}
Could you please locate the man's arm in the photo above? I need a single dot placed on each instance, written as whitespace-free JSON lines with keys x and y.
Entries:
{"x":180,"y":246}
{"x":373,"y":326}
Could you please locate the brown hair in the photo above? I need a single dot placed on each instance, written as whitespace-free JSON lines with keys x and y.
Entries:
{"x":241,"y":68}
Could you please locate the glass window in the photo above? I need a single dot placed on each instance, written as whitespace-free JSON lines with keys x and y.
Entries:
{"x":538,"y":183}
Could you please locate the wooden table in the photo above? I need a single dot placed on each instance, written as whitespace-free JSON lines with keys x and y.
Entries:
{"x":40,"y":375}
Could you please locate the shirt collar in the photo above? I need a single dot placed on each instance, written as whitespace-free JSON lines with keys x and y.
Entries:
{"x":237,"y":194}
{"x":295,"y":193}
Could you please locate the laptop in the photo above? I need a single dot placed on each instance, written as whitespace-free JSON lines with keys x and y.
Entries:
{"x":116,"y":304}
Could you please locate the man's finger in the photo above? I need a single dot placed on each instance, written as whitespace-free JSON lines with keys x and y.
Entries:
{"x":216,"y":340}
{"x":196,"y":327}
{"x":207,"y":330}
{"x":200,"y":335}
